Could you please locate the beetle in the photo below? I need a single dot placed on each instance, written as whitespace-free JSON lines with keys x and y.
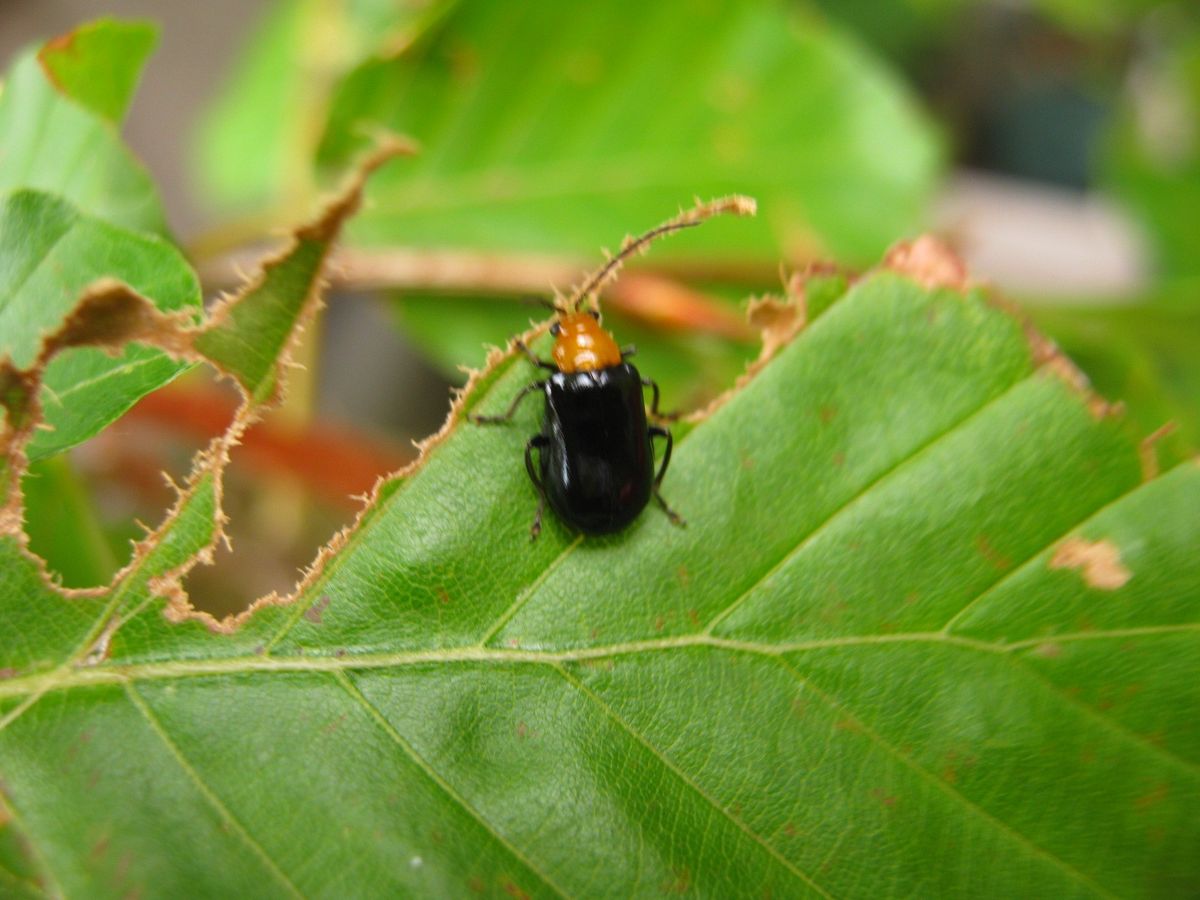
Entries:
{"x":596,"y":447}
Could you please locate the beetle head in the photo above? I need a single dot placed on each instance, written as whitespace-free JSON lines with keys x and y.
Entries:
{"x":581,"y":344}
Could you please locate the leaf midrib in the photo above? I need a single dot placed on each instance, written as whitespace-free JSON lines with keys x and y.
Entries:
{"x":338,"y":666}
{"x":110,"y":673}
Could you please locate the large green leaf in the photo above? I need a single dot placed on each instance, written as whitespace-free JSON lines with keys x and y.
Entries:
{"x":926,"y":634}
{"x":256,"y":144}
{"x":50,"y":254}
{"x":59,"y":111}
{"x":552,"y":127}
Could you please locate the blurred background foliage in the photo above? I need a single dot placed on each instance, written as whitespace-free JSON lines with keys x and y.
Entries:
{"x":549,"y":130}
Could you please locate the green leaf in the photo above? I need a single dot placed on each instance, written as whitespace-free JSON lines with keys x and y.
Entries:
{"x":59,"y":135}
{"x":1152,"y":158}
{"x":50,"y":254}
{"x":256,"y":144}
{"x":98,"y":64}
{"x":62,"y":525}
{"x":1146,"y":354}
{"x":926,"y":634}
{"x":552,"y":127}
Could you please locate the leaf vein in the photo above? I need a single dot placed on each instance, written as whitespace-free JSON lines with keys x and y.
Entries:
{"x":687,"y":780}
{"x":949,"y":790}
{"x":447,"y":788}
{"x":207,"y":792}
{"x":925,"y":447}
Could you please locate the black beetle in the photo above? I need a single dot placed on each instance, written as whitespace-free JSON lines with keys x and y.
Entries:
{"x":595,"y":449}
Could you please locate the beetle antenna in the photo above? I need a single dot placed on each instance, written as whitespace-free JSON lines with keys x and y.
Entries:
{"x":542,"y":301}
{"x":736,"y":204}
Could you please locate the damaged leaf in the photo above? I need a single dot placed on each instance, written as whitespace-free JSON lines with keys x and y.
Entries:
{"x":50,"y":255}
{"x":859,"y":657}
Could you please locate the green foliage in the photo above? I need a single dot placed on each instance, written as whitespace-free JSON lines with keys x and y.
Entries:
{"x":1145,"y":352}
{"x":547,"y":128}
{"x":928,"y":632}
{"x":98,"y":65}
{"x":62,"y":525}
{"x":866,"y":651}
{"x":773,"y":105}
{"x":61,"y":137}
{"x":50,"y":253}
{"x":255,"y":145}
{"x":75,"y":207}
{"x":1153,"y":158}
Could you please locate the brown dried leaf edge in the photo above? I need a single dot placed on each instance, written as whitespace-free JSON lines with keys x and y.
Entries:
{"x":110,"y":315}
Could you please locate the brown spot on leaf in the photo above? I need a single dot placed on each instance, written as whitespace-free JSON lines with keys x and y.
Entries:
{"x":1148,"y":450}
{"x":883,"y":797}
{"x":475,"y":884}
{"x":789,"y":828}
{"x":1099,"y":562}
{"x":100,"y":848}
{"x":684,"y":576}
{"x":827,"y":414}
{"x":991,"y":554}
{"x":680,"y":883}
{"x":694,"y":617}
{"x":1157,"y":795}
{"x":314,"y":612}
{"x":839,"y":459}
{"x":443,"y":596}
{"x":1048,"y":650}
{"x":513,"y":890}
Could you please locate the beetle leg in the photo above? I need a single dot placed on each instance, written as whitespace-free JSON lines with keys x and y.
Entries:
{"x":653,"y":385}
{"x":658,"y":431}
{"x":676,"y":519}
{"x":627,"y":351}
{"x":537,"y":442}
{"x":532,"y":357}
{"x":507,"y":416}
